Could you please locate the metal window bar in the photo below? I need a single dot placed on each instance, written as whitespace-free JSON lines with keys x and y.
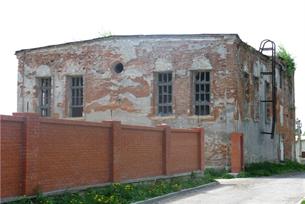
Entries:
{"x":202,"y":93}
{"x":77,"y":96}
{"x":164,"y":102}
{"x":45,"y":97}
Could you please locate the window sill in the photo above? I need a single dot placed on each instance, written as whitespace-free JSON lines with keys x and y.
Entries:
{"x":202,"y":117}
{"x":75,"y":118}
{"x":163,"y":117}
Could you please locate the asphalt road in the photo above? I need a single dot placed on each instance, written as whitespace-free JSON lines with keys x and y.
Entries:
{"x":280,"y":189}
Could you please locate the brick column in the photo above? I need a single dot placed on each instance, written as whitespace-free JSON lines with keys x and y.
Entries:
{"x":237,"y":152}
{"x":31,"y":151}
{"x":201,"y":156}
{"x":116,"y":145}
{"x":166,"y":148}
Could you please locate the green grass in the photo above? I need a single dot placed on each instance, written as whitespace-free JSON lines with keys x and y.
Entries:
{"x":303,"y":202}
{"x":128,"y":193}
{"x":122,"y":193}
{"x":217,"y":174}
{"x":269,"y":169}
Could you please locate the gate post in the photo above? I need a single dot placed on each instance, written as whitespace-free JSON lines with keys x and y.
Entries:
{"x":237,"y":152}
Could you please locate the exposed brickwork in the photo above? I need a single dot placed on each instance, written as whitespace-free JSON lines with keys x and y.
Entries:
{"x":52,"y":154}
{"x":237,"y":86}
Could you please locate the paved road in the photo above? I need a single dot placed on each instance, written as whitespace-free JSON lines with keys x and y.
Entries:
{"x":281,"y":189}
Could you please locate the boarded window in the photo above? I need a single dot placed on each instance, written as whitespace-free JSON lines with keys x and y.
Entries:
{"x":45,"y":96}
{"x":164,"y":88}
{"x":303,"y":154}
{"x":76,"y":96}
{"x":256,"y":97}
{"x":267,"y":104}
{"x":246,"y":89}
{"x":281,"y":77}
{"x":201,"y":92}
{"x":246,"y":86}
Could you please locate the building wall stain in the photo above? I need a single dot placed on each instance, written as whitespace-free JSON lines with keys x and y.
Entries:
{"x":130,"y":96}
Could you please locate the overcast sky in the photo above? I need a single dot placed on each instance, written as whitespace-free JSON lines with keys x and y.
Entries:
{"x":34,"y":23}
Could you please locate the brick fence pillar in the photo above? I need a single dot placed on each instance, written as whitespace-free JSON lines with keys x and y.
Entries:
{"x":166,"y":148}
{"x":116,"y":146}
{"x":31,"y":152}
{"x":237,"y":152}
{"x":201,"y":156}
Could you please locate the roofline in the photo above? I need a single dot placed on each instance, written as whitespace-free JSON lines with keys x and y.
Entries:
{"x":113,"y":37}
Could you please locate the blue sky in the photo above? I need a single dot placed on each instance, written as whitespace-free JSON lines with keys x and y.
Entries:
{"x":33,"y":23}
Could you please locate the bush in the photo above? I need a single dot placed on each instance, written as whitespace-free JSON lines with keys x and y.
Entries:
{"x":287,"y":60}
{"x":268,"y":168}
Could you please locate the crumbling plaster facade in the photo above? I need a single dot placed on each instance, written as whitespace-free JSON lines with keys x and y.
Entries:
{"x":130,"y":96}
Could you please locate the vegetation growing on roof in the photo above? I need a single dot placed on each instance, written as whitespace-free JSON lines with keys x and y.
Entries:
{"x":287,"y":59}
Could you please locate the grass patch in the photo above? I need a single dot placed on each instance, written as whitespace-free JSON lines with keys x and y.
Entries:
{"x":269,"y":169}
{"x":303,"y":202}
{"x":122,"y":193}
{"x":217,"y":174}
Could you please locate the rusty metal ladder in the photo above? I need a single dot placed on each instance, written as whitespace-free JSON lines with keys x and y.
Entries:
{"x":263,"y":48}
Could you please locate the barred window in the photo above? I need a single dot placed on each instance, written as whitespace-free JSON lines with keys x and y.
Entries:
{"x":45,"y":96}
{"x":164,"y":87}
{"x":202,"y":97}
{"x":76,"y":96}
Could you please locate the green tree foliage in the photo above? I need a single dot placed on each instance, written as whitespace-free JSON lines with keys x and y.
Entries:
{"x":287,"y":59}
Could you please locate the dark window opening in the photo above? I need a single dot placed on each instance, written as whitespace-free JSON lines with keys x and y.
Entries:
{"x":77,"y":96}
{"x":164,"y":84}
{"x":45,"y":97}
{"x":118,"y":68}
{"x":201,"y":80}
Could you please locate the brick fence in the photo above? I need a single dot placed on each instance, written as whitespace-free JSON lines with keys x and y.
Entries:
{"x":52,"y":154}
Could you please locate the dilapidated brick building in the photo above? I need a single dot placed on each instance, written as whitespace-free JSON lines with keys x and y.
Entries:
{"x":215,"y":81}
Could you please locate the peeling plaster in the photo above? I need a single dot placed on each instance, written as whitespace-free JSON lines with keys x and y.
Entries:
{"x":201,"y":63}
{"x":129,"y":96}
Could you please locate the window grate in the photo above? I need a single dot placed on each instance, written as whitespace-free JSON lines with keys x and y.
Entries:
{"x":45,"y":97}
{"x":77,"y":96}
{"x":202,"y":97}
{"x":164,"y":102}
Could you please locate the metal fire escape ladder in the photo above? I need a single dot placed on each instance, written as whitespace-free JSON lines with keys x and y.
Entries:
{"x":271,"y":48}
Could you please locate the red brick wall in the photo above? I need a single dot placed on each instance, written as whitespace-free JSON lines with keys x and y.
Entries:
{"x":184,"y":151}
{"x":12,"y":156}
{"x":73,"y":155}
{"x":141,"y":154}
{"x":52,"y":154}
